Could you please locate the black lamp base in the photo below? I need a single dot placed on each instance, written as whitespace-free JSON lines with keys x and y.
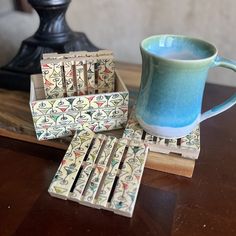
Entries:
{"x":53,"y":35}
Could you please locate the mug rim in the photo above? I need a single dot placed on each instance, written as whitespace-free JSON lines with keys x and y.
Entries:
{"x":179,"y":60}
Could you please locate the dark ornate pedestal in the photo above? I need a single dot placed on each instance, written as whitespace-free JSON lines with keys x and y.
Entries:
{"x":53,"y":35}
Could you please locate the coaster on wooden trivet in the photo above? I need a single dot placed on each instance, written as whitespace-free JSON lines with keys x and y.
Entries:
{"x":101,"y":172}
{"x":176,"y":156}
{"x":188,"y":146}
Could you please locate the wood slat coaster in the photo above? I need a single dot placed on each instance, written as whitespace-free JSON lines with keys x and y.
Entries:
{"x":187,"y":147}
{"x":107,"y":176}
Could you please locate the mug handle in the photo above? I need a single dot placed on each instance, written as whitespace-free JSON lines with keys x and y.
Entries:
{"x":222,"y":62}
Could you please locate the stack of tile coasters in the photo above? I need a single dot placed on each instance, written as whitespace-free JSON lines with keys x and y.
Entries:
{"x":78,"y":73}
{"x":176,"y":156}
{"x":101,"y":172}
{"x":77,"y":90}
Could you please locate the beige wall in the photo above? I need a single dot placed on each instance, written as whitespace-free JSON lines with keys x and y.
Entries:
{"x":122,"y":24}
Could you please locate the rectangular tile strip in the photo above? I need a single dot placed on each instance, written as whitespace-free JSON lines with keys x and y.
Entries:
{"x":189,"y":146}
{"x":96,"y":177}
{"x":69,"y":77}
{"x":88,"y":165}
{"x":81,"y":76}
{"x":106,"y":188}
{"x":52,"y":77}
{"x":70,"y":165}
{"x":126,"y":191}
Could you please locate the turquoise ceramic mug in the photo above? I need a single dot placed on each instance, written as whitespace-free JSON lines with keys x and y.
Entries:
{"x":174,"y":73}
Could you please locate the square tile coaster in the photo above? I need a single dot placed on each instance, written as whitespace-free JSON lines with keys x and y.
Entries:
{"x":101,"y":172}
{"x":186,"y":147}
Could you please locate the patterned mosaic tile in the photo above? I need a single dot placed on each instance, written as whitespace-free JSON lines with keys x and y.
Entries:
{"x":107,"y":173}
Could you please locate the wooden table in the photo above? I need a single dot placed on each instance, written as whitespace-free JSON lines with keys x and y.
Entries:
{"x":166,"y":205}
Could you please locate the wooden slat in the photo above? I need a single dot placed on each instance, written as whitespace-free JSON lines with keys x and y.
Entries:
{"x":172,"y":164}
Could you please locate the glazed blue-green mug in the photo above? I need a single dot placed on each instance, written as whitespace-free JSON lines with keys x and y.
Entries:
{"x":174,"y":73}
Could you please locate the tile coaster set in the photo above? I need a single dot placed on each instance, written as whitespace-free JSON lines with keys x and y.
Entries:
{"x":101,"y":172}
{"x":81,"y":92}
{"x":175,"y":156}
{"x":77,"y":90}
